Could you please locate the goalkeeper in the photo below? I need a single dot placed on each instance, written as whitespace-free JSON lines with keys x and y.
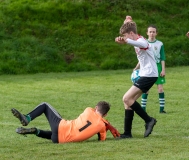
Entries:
{"x":89,"y":123}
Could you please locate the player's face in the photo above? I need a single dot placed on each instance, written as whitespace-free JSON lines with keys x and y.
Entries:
{"x":151,"y":33}
{"x":128,"y":35}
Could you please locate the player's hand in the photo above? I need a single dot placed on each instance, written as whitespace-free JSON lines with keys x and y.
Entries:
{"x":113,"y":130}
{"x":187,"y":34}
{"x":127,"y":19}
{"x":162,"y":74}
{"x":119,"y":40}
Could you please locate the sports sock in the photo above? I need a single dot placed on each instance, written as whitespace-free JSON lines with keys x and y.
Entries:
{"x":138,"y":109}
{"x":129,"y":114}
{"x":37,"y":132}
{"x":28,"y":117}
{"x":161,"y":101}
{"x":144,"y":101}
{"x":44,"y":134}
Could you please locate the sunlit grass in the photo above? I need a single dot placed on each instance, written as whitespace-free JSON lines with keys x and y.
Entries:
{"x":70,"y":93}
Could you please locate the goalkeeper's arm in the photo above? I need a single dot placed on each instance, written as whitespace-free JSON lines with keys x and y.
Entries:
{"x":102,"y":134}
{"x":112,"y":129}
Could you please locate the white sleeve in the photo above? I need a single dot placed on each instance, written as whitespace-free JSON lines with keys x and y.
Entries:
{"x":141,"y":43}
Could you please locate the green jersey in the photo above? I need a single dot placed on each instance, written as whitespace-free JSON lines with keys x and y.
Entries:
{"x":158,"y":50}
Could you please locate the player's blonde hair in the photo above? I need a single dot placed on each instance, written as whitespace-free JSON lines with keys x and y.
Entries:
{"x":128,"y":27}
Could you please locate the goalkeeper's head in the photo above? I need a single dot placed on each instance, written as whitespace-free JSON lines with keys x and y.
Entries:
{"x":103,"y":107}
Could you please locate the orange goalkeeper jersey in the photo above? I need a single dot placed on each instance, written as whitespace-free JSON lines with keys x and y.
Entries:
{"x":85,"y":126}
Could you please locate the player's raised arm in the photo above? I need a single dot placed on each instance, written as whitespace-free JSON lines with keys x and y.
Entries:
{"x":139,"y":43}
{"x":120,"y":40}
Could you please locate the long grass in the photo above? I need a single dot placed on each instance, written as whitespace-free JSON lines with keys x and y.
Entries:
{"x":70,"y":93}
{"x":43,"y":36}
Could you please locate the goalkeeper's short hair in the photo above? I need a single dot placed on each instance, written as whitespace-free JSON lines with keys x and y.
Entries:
{"x":103,"y":107}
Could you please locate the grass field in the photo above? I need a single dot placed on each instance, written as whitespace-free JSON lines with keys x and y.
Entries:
{"x":70,"y":93}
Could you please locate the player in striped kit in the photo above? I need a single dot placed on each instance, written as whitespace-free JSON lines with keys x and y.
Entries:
{"x":159,"y":53}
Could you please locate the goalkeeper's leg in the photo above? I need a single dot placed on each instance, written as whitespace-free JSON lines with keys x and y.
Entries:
{"x":52,"y":116}
{"x":38,"y":132}
{"x":44,"y":134}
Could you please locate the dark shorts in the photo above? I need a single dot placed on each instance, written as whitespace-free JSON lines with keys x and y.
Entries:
{"x":145,"y":83}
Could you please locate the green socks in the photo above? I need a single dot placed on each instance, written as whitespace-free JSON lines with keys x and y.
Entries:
{"x":37,"y":131}
{"x":28,"y":118}
{"x":144,"y":101}
{"x":161,"y":102}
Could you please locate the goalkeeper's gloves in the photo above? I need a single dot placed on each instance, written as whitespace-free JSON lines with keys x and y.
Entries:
{"x":113,"y":130}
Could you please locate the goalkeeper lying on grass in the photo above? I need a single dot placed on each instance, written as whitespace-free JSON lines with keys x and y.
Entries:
{"x":89,"y":123}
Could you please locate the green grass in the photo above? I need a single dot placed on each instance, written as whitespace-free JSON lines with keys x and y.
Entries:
{"x":70,"y":93}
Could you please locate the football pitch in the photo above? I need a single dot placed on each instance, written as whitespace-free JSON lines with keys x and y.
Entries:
{"x":71,"y":93}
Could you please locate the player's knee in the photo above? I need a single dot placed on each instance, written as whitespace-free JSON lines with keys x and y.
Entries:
{"x":160,"y":90}
{"x":44,"y":103}
{"x":125,"y":100}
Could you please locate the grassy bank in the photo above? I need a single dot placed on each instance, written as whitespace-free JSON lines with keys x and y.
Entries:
{"x":70,"y":35}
